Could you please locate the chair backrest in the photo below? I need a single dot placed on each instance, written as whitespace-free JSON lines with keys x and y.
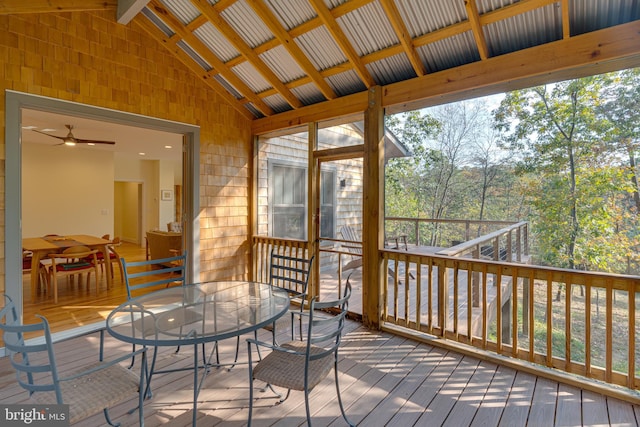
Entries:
{"x":174,"y":226}
{"x":290,"y":273}
{"x":154,"y":272}
{"x":74,"y":258}
{"x":354,"y":244}
{"x":35,"y":364}
{"x":325,"y":331}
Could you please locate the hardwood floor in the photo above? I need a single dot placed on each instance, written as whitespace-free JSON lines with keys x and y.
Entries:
{"x":76,"y":306}
{"x":386,"y":380}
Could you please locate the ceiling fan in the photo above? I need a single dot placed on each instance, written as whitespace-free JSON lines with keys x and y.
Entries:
{"x":72,"y":140}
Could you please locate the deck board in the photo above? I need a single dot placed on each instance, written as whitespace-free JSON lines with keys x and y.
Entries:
{"x":386,"y":380}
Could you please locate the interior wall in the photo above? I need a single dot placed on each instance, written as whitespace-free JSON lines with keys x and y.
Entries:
{"x":127,"y":196}
{"x":65,"y":193}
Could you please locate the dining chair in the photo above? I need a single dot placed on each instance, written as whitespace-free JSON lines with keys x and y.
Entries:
{"x":113,"y":256}
{"x":27,"y":265}
{"x":303,"y":364}
{"x":87,"y":389}
{"x":73,"y":261}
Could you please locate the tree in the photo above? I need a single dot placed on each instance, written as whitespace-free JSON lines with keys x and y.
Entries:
{"x":578,"y":189}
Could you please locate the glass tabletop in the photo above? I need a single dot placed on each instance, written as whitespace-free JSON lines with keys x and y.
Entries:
{"x":197,"y":313}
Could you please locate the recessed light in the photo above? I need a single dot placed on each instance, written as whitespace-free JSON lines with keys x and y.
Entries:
{"x":168,"y":146}
{"x":142,"y":154}
{"x":29,"y":127}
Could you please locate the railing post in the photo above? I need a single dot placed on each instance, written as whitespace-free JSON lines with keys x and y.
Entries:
{"x":475,"y":281}
{"x":417,"y":230}
{"x":443,"y":298}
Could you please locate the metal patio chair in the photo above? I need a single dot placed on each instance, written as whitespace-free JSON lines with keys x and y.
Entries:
{"x":303,"y":364}
{"x":87,"y":390}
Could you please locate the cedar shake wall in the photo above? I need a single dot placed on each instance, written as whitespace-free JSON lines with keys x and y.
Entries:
{"x":91,"y":59}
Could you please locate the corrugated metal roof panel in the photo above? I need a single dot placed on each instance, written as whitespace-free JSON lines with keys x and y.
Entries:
{"x":194,"y":55}
{"x":277,"y":103}
{"x":216,"y":42}
{"x":228,"y":86}
{"x":282,"y":64}
{"x":157,"y":21}
{"x":308,"y":94}
{"x":346,"y":83}
{"x":539,"y":26}
{"x":392,"y":69}
{"x":292,"y":13}
{"x":182,"y":9}
{"x":449,"y":53}
{"x":485,"y":6}
{"x":424,"y":16}
{"x":248,"y":73}
{"x":368,"y":29}
{"x":321,"y":49}
{"x":241,"y":17}
{"x":590,"y":15}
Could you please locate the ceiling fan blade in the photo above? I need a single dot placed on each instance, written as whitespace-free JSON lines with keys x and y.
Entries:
{"x":48,"y":134}
{"x":73,"y":140}
{"x":92,"y":141}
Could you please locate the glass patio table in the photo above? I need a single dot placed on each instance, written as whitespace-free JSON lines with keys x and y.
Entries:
{"x":195,"y":314}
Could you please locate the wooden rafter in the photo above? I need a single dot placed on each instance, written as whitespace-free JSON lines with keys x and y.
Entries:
{"x":397,"y":23}
{"x":218,"y":66}
{"x":245,"y":50}
{"x":599,"y":51}
{"x":506,"y":12}
{"x":294,"y":50}
{"x":476,"y":27}
{"x":176,"y":51}
{"x":566,"y":29}
{"x":44,"y":6}
{"x":341,"y":39}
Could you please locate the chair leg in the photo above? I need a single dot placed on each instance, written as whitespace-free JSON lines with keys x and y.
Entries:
{"x":344,"y":414}
{"x":108,"y":418}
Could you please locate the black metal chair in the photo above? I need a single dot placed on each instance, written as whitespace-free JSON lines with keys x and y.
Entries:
{"x":303,"y":364}
{"x":291,"y":274}
{"x":87,"y":390}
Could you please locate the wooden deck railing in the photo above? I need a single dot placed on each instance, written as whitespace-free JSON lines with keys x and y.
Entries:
{"x":440,"y":232}
{"x":579,"y":322}
{"x":582,"y":323}
{"x":262,"y":247}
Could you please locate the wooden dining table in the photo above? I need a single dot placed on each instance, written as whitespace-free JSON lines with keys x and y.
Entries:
{"x":42,"y":246}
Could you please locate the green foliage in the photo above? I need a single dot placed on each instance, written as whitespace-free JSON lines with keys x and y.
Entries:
{"x":560,"y":156}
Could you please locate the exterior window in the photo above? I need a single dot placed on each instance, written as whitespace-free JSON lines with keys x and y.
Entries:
{"x":288,"y":201}
{"x":327,"y":204}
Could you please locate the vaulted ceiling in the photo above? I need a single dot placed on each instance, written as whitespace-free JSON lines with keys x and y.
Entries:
{"x":285,"y":62}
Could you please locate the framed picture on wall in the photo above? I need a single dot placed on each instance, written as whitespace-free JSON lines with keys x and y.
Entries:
{"x":166,"y":195}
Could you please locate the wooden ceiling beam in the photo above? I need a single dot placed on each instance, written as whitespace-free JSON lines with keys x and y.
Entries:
{"x":45,"y":6}
{"x":566,"y":27}
{"x":606,"y":50}
{"x":341,"y":40}
{"x":476,"y":28}
{"x":219,"y":67}
{"x":180,"y":54}
{"x":245,"y":50}
{"x":403,"y":35}
{"x":292,"y":47}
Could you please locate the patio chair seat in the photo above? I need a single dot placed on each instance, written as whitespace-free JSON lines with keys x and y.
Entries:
{"x":287,"y":369}
{"x":87,"y":398}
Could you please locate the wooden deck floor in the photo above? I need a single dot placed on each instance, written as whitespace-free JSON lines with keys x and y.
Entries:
{"x":386,"y":380}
